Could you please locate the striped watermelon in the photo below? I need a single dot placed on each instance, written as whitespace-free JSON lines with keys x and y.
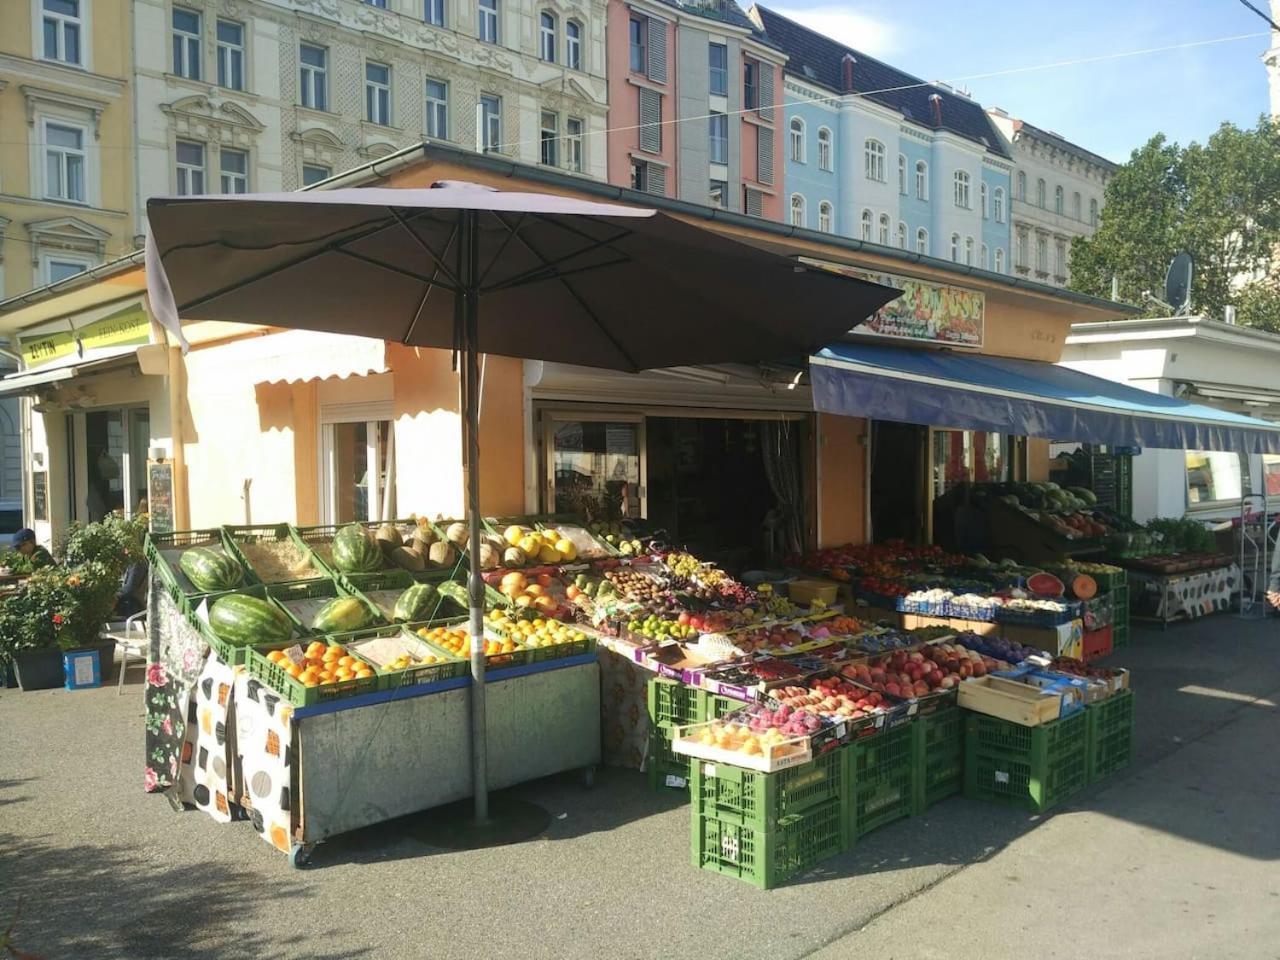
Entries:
{"x":355,"y":550}
{"x":416,"y":603}
{"x":341,"y":615}
{"x":210,"y":570}
{"x":242,"y":620}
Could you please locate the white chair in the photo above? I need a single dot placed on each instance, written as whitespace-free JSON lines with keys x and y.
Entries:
{"x":130,"y":636}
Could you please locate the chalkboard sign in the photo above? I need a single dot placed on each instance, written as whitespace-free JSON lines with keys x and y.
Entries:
{"x":160,"y":495}
{"x":40,"y":495}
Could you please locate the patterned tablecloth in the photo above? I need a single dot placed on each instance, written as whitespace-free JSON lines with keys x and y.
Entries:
{"x":624,"y":710}
{"x":1183,"y":595}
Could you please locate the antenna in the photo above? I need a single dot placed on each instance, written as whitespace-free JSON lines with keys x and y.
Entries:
{"x":1177,"y":283}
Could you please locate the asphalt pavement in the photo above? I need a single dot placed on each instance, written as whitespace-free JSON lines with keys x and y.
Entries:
{"x":1178,"y":856}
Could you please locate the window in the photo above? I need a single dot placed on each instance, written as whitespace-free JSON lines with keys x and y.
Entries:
{"x":639,"y":34}
{"x":377,"y":93}
{"x":358,"y":473}
{"x":64,"y":163}
{"x":750,"y":84}
{"x":984,"y":260}
{"x":547,"y":37}
{"x":1059,"y":202}
{"x":549,"y":139}
{"x":922,"y":241}
{"x":1022,"y":186}
{"x":573,"y":45}
{"x":718,"y":65}
{"x":491,"y":113}
{"x":233,"y":167}
{"x":650,"y":120}
{"x":1271,"y":474}
{"x":902,"y":174}
{"x":797,"y":140}
{"x":433,"y":12}
{"x":186,"y":43}
{"x":190,"y":157}
{"x":1215,"y":476}
{"x":314,"y":92}
{"x":902,"y":235}
{"x":1040,"y":194}
{"x":1075,"y":205}
{"x":437,"y":109}
{"x":982,"y":200}
{"x":999,"y":260}
{"x":797,"y":210}
{"x":230,"y":54}
{"x":883,"y":234}
{"x":824,"y":149}
{"x":1093,"y":212}
{"x":487,"y":15}
{"x":968,"y":251}
{"x":573,"y":129}
{"x":997,"y":204}
{"x":61,"y":27}
{"x":718,"y":131}
{"x":969,"y":456}
{"x":922,"y":180}
{"x":719,"y":193}
{"x":752,"y":202}
{"x":381,"y":4}
{"x":955,"y":248}
{"x":55,"y":269}
{"x":824,"y":217}
{"x":1023,"y":260}
{"x":649,"y":178}
{"x":639,"y":175}
{"x":961,"y":185}
{"x":1042,"y":253}
{"x":866,"y":225}
{"x":873,"y":160}
{"x":314,"y":173}
{"x":1060,"y":259}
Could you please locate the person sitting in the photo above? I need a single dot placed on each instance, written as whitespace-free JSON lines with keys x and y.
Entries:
{"x":131,"y":598}
{"x":24,"y":543}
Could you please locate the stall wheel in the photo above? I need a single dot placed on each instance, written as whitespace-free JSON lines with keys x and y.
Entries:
{"x":589,"y":777}
{"x":300,"y":855}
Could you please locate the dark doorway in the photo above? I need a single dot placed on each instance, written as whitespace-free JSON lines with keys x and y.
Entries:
{"x":897,"y":481}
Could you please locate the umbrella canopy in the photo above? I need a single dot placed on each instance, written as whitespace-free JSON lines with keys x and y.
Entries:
{"x":571,"y":281}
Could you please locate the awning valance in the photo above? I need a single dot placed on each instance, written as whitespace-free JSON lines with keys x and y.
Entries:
{"x":1025,"y":397}
{"x":98,"y":360}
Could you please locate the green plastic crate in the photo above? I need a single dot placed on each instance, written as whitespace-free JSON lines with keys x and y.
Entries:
{"x":226,"y":652}
{"x":665,"y":768}
{"x":163,"y":551}
{"x":766,"y":857}
{"x":738,"y":795}
{"x":1109,"y":734}
{"x":1119,"y":636}
{"x":713,"y":707}
{"x":879,"y":778}
{"x":299,"y":694}
{"x":448,"y":668}
{"x":937,"y":758}
{"x":1034,"y":768}
{"x":285,"y":594}
{"x":235,"y":536}
{"x":673,"y":704}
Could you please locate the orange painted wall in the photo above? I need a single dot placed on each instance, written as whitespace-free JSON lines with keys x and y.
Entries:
{"x":1037,"y":459}
{"x":842,"y":466}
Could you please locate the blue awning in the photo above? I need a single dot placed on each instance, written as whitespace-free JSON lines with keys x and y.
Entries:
{"x":945,"y":388}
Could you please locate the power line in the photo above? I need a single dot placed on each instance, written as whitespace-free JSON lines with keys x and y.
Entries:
{"x":1273,"y":24}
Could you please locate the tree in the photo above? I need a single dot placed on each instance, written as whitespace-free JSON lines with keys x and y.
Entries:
{"x":1220,"y":201}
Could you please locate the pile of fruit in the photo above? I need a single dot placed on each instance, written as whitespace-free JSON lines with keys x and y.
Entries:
{"x":832,"y":697}
{"x":404,"y":661}
{"x":458,"y":642}
{"x":769,"y":638}
{"x":655,"y":628}
{"x":525,"y":545}
{"x":534,"y":633}
{"x":761,"y":736}
{"x":785,"y":719}
{"x":640,"y":588}
{"x":615,"y":534}
{"x":753,"y":672}
{"x":322,"y":665}
{"x":1009,"y":651}
{"x":537,"y":593}
{"x":414,"y":548}
{"x":1078,"y":668}
{"x":938,"y":666}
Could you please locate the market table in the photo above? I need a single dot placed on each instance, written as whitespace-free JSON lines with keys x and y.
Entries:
{"x":1169,"y":597}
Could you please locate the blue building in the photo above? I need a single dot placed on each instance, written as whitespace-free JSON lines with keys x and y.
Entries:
{"x":877,"y":154}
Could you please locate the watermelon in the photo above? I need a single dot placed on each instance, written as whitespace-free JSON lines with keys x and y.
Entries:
{"x":341,"y":615}
{"x":1045,"y":585}
{"x":355,"y":551}
{"x":1083,"y":586}
{"x":242,"y":620}
{"x":417,"y":603}
{"x":210,"y":570}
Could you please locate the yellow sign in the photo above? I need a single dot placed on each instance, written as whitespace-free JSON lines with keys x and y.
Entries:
{"x":926,"y":311}
{"x":125,"y":327}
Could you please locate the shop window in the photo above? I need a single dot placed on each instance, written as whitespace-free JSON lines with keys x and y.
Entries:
{"x":114,"y":462}
{"x":595,"y":467}
{"x":1215,"y":476}
{"x":969,"y":456}
{"x":359,"y":462}
{"x":1271,"y":474}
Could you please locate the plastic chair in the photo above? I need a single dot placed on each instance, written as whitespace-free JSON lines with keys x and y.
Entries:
{"x":130,"y":636}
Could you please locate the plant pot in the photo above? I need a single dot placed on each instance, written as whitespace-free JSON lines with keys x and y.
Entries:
{"x":106,"y":657}
{"x":10,"y":680}
{"x":38,"y":669}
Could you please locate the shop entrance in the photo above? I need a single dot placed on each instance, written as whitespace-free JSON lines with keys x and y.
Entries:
{"x":110,"y":457}
{"x":898,"y":510}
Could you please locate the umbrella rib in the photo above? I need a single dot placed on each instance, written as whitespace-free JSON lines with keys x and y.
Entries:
{"x":550,"y":266}
{"x":437,"y":258}
{"x":511,"y":235}
{"x":431,"y":284}
{"x":578,"y":297}
{"x":538,"y":276}
{"x":373,"y":262}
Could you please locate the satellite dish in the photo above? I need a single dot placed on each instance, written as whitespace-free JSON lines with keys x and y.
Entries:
{"x":1177,"y":283}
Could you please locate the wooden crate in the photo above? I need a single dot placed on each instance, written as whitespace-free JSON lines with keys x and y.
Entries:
{"x":1010,"y":700}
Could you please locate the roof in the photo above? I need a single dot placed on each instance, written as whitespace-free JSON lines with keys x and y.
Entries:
{"x":1251,"y":339}
{"x":1048,"y":136}
{"x":818,"y":59}
{"x":723,"y":11}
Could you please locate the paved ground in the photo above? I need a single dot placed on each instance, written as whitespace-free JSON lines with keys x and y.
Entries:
{"x":1178,"y":857}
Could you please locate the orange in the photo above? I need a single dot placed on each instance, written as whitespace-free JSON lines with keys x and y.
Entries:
{"x":293,"y":670}
{"x":275,"y":656}
{"x":315,"y":648}
{"x":363,"y":672}
{"x":347,"y":661}
{"x":333,"y":655}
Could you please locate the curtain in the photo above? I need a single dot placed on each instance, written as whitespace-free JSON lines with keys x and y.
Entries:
{"x":778,"y":444}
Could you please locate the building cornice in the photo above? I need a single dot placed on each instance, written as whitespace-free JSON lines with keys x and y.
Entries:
{"x":42,"y":71}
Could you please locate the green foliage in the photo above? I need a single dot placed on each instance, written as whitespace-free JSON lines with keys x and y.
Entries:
{"x":1219,"y":200}
{"x":113,"y":542}
{"x":15,"y":562}
{"x":1182,"y":535}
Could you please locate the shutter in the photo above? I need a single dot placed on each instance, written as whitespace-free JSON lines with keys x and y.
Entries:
{"x":766,"y":90}
{"x":655,"y":179}
{"x":650,"y":120}
{"x":764,"y":155}
{"x":657,"y":44}
{"x":755,"y":203}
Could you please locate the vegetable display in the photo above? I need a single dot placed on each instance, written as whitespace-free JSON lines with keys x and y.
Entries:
{"x":211,"y":570}
{"x":242,"y":620}
{"x":356,"y":551}
{"x":342,"y":615}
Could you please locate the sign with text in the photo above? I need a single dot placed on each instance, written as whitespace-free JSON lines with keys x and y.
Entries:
{"x":937,"y":313}
{"x":160,"y":495}
{"x":125,"y":327}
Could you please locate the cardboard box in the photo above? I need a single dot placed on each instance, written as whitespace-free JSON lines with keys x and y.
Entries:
{"x":1064,"y":640}
{"x":915,"y":621}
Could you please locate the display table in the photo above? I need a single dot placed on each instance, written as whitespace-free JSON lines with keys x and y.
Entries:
{"x":1169,"y":597}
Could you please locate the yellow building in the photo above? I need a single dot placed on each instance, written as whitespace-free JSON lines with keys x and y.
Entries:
{"x":66,"y":156}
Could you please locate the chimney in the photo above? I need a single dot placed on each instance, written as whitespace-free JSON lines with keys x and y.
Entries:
{"x":846,"y":72}
{"x":935,"y":100}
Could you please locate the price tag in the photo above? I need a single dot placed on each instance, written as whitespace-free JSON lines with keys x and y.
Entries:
{"x":1002,"y":777}
{"x":708,"y":769}
{"x":678,"y":782}
{"x":296,"y":656}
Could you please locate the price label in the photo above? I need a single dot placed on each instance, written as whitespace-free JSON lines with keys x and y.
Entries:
{"x":674,"y":781}
{"x":1002,"y":776}
{"x":296,"y":656}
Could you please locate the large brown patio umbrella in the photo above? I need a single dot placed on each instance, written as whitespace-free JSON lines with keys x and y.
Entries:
{"x":475,"y":270}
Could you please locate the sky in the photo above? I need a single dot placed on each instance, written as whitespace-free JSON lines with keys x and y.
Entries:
{"x":1110,"y":106}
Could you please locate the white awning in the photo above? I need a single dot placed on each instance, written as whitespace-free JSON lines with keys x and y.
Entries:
{"x":298,"y":356}
{"x":97,"y":360}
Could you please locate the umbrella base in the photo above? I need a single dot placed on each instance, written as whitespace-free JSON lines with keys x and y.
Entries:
{"x":454,"y":827}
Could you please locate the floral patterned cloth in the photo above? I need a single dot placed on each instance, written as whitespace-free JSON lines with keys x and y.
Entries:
{"x":624,"y":710}
{"x":176,"y":659}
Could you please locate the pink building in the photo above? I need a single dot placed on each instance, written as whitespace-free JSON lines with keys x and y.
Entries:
{"x":695,"y":104}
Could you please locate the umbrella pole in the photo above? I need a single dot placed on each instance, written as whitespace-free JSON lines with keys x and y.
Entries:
{"x":469,"y":256}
